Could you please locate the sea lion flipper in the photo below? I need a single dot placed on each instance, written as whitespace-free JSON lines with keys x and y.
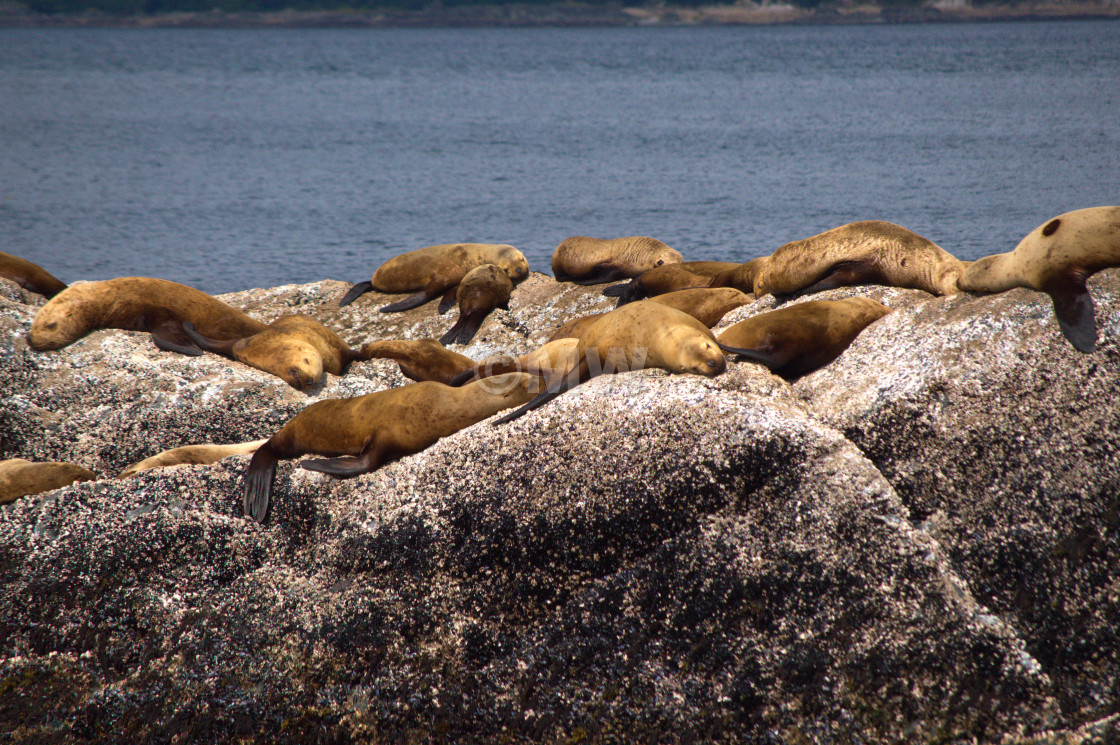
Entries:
{"x":258,"y":482}
{"x":464,"y":329}
{"x":600,"y":274}
{"x":618,"y":290}
{"x":768,"y":361}
{"x":846,"y":274}
{"x":206,"y":343}
{"x":565,"y":382}
{"x":447,"y":302}
{"x":1073,"y":307}
{"x":170,"y":336}
{"x":346,"y":466}
{"x":359,"y":289}
{"x":410,"y":302}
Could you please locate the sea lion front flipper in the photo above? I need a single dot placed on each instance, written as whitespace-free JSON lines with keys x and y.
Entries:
{"x":346,"y":466}
{"x":170,"y":336}
{"x":620,"y":289}
{"x":447,"y":302}
{"x":846,"y":274}
{"x":769,"y":361}
{"x":258,"y":482}
{"x":217,"y":346}
{"x":1073,"y":307}
{"x":565,"y":382}
{"x":464,"y":329}
{"x":599,"y":274}
{"x":355,"y":292}
{"x":412,"y":301}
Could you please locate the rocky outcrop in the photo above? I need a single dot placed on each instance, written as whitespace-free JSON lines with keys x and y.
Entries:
{"x":917,"y":542}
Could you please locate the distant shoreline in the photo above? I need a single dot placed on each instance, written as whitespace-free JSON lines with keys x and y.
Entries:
{"x":572,"y":15}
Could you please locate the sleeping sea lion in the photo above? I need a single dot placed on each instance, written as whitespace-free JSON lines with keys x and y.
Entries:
{"x":158,"y":306}
{"x":592,"y":261}
{"x":668,"y":278}
{"x":420,"y":360}
{"x":1057,"y":258}
{"x":483,"y":288}
{"x":742,"y":277}
{"x":706,"y":304}
{"x":575,"y":327}
{"x":868,"y":252}
{"x":30,"y":276}
{"x":800,"y":338}
{"x":548,"y":361}
{"x":374,"y":429}
{"x":20,"y":477}
{"x":297,"y":349}
{"x":191,"y":455}
{"x":437,"y":270}
{"x":637,"y":336}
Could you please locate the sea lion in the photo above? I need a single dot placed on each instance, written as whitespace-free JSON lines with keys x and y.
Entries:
{"x":706,"y":304}
{"x":158,"y":306}
{"x":742,"y":277}
{"x":436,"y":271}
{"x":637,"y":336}
{"x":297,"y":349}
{"x":548,"y":361}
{"x":20,"y":477}
{"x":800,"y":338}
{"x":377,"y":428}
{"x":191,"y":455}
{"x":420,"y":360}
{"x":867,"y":252}
{"x":575,"y":327}
{"x":593,"y":261}
{"x":483,"y":289}
{"x":30,"y":276}
{"x":1057,"y":258}
{"x":668,"y":278}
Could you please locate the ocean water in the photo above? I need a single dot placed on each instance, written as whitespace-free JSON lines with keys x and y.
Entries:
{"x":229,"y":159}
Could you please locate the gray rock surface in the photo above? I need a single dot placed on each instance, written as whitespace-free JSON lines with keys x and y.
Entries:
{"x":916,"y":543}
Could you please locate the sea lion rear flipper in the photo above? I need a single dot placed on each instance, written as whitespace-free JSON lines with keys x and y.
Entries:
{"x":769,"y":361}
{"x":846,"y":274}
{"x":217,"y":346}
{"x":447,"y":302}
{"x":618,"y":290}
{"x":600,"y":274}
{"x":359,"y":289}
{"x":464,"y":329}
{"x":346,"y":466}
{"x":1073,"y":307}
{"x":566,"y":382}
{"x":486,"y":370}
{"x":170,"y":336}
{"x":258,"y":482}
{"x":410,"y":302}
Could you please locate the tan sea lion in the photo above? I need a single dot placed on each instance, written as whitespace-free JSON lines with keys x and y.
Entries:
{"x":20,"y":477}
{"x":1057,"y":258}
{"x":575,"y":327}
{"x":158,"y":306}
{"x":742,"y":277}
{"x":706,"y":304}
{"x":634,"y":337}
{"x":297,"y":349}
{"x":592,"y":261}
{"x":421,"y":359}
{"x":868,"y":252}
{"x":668,"y":278}
{"x":377,"y":428}
{"x":30,"y":276}
{"x":800,"y":338}
{"x":437,"y":270}
{"x":548,"y":361}
{"x":483,"y":289}
{"x":191,"y":455}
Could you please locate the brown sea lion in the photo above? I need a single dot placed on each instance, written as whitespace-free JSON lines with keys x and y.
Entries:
{"x":868,"y":252}
{"x":634,"y":337}
{"x":435,"y":271}
{"x":297,"y":349}
{"x":30,"y":276}
{"x":742,"y":277}
{"x":592,"y":261}
{"x":800,"y":338}
{"x":20,"y":477}
{"x":548,"y":361}
{"x":1057,"y":258}
{"x":706,"y":304}
{"x":421,"y":359}
{"x":575,"y":327}
{"x":374,"y":429}
{"x":158,"y":306}
{"x":483,"y":289}
{"x":668,"y":278}
{"x":191,"y":455}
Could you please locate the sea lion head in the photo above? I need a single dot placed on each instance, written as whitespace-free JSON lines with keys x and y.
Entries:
{"x":64,"y":319}
{"x":514,"y":263}
{"x":701,"y":356}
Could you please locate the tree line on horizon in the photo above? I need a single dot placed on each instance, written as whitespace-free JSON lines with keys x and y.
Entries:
{"x":153,"y":7}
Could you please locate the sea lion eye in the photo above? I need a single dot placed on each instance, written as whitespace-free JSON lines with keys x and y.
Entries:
{"x":660,"y":262}
{"x":1051,"y":227}
{"x":711,"y":363}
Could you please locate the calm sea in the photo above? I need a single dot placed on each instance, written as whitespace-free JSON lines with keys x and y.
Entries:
{"x":228,"y":159}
